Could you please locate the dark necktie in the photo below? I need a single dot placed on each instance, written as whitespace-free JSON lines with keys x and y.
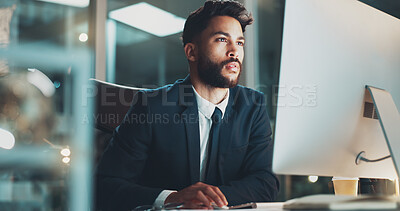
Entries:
{"x":212,"y":166}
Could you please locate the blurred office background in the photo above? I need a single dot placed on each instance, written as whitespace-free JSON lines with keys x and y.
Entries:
{"x":50,"y":163}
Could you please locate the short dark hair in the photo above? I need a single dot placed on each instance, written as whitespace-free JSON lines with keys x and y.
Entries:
{"x":199,"y":19}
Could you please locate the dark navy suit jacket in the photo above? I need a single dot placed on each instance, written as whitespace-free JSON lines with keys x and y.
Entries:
{"x":157,"y":147}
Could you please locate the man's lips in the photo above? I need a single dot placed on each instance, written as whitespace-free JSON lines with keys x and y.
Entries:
{"x":233,"y":66}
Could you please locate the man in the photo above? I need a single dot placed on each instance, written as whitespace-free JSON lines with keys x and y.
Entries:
{"x":203,"y":141}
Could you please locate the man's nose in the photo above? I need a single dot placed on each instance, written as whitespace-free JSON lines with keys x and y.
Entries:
{"x":233,"y":51}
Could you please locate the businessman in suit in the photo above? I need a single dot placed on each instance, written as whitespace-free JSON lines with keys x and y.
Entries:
{"x":203,"y":141}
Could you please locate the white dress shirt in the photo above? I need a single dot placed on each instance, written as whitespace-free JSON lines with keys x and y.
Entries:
{"x":206,"y":110}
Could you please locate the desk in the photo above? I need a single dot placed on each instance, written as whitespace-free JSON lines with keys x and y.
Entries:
{"x":271,"y":206}
{"x":278,"y":206}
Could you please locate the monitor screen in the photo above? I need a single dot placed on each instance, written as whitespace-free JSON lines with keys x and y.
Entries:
{"x":331,"y":50}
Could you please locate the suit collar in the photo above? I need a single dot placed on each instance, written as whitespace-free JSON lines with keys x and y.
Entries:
{"x":207,"y":108}
{"x":187,"y":96}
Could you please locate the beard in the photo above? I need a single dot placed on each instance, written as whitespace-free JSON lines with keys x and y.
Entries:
{"x":210,"y":72}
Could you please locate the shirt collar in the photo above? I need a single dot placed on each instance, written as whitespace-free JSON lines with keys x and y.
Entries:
{"x":207,"y":108}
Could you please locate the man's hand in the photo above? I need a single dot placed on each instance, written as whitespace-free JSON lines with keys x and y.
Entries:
{"x":199,"y":195}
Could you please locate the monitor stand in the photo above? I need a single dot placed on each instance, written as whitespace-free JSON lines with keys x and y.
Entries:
{"x":389,"y":119}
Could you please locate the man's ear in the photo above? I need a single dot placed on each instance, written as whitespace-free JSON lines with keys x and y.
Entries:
{"x":191,"y":52}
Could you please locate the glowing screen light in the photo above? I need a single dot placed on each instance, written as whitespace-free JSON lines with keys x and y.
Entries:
{"x":7,"y":140}
{"x":149,"y":18}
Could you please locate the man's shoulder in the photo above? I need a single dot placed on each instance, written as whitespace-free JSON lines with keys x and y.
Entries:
{"x":169,"y":89}
{"x":244,"y":90}
{"x":242,"y":94}
{"x":165,"y":96}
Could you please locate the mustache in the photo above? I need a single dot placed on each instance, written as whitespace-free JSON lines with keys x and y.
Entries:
{"x":231,"y":60}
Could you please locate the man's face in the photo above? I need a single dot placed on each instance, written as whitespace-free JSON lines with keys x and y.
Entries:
{"x":221,"y":52}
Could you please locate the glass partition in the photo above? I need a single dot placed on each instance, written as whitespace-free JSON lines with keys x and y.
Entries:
{"x":140,"y":57}
{"x":45,"y":132}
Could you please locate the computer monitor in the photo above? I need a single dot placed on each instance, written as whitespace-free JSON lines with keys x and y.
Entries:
{"x":331,"y":50}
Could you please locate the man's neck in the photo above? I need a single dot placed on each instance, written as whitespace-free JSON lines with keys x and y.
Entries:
{"x":212,"y":94}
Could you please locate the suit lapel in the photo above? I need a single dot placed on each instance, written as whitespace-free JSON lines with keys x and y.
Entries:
{"x":190,"y":118}
{"x":193,"y":142}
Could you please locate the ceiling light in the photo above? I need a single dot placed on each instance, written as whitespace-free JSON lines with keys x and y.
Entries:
{"x":7,"y":139}
{"x":313,"y":179}
{"x":65,"y":152}
{"x":83,"y":37}
{"x":148,"y":18}
{"x":66,"y":160}
{"x":74,"y":3}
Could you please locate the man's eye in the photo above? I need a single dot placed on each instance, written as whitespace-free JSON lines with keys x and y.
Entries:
{"x":221,"y":39}
{"x":240,"y":43}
